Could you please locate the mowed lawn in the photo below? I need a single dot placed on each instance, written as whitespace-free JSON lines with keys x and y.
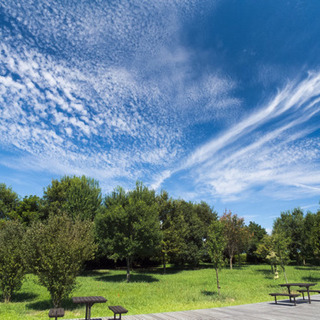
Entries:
{"x":151,"y":291}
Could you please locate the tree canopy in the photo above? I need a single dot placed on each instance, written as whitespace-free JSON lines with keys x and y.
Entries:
{"x":12,"y":268}
{"x":216,"y":244}
{"x":9,"y":201}
{"x":79,"y":197}
{"x":128,"y":226}
{"x":234,"y":232}
{"x":55,"y":250}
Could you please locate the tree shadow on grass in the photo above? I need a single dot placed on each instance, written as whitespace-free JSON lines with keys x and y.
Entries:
{"x":267,"y":273}
{"x":123,"y":278}
{"x":94,"y":273}
{"x":311,"y":279}
{"x":47,"y":305}
{"x":158,"y":271}
{"x":23,"y":296}
{"x":237,"y":267}
{"x":307,"y":268}
{"x":40,"y":305}
{"x":209,"y":293}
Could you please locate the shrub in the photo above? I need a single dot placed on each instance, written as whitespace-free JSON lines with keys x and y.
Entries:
{"x":56,"y":251}
{"x":11,"y":263}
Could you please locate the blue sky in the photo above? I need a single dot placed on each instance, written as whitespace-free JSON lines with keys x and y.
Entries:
{"x":210,"y":100}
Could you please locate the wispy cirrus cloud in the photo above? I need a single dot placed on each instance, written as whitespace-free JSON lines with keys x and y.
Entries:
{"x":273,"y":149}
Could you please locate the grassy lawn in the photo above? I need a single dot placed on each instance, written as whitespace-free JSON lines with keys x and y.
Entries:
{"x":150,"y":291}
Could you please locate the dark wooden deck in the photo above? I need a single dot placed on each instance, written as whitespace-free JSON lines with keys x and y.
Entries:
{"x":264,"y":311}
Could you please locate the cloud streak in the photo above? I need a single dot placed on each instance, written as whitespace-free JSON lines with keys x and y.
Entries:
{"x":272,"y":149}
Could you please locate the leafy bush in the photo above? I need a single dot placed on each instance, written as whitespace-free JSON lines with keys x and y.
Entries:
{"x":11,"y":263}
{"x":56,"y":251}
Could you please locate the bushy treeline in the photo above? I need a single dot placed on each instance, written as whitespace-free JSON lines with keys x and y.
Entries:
{"x":53,"y":236}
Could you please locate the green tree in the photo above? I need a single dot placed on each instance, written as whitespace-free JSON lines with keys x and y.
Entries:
{"x":315,"y":235}
{"x":12,"y":269}
{"x":128,"y":227}
{"x":265,"y":251}
{"x":309,"y":222}
{"x":291,"y":224}
{"x":9,"y":201}
{"x":281,"y":248}
{"x":275,"y":249}
{"x":192,"y":233}
{"x":55,"y":251}
{"x":79,"y":197}
{"x":235,"y":233}
{"x":30,"y":209}
{"x":173,"y":228}
{"x":256,"y":233}
{"x":216,"y":243}
{"x":189,"y":223}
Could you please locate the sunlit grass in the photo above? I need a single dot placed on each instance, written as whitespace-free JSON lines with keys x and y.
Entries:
{"x":151,"y":291}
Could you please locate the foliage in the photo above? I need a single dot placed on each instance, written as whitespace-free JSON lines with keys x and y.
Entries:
{"x":256,"y":233}
{"x":29,"y":209}
{"x":275,"y":249}
{"x":184,"y":227}
{"x":315,"y":235}
{"x":291,"y":225}
{"x":12,"y":269}
{"x":235,"y":233}
{"x":281,"y":248}
{"x":128,"y":227}
{"x":56,"y":250}
{"x":172,"y":229}
{"x":9,"y":201}
{"x":309,"y":233}
{"x":216,"y":243}
{"x":192,"y":233}
{"x":79,"y":197}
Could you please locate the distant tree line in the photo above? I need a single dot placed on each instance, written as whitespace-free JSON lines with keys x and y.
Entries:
{"x":74,"y":223}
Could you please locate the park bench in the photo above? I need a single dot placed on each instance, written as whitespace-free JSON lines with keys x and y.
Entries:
{"x":303,"y":291}
{"x":117,"y":310}
{"x":56,"y":312}
{"x":290,"y":295}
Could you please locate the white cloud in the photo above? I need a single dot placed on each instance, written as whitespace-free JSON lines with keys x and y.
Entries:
{"x":271,"y":149}
{"x":113,"y":104}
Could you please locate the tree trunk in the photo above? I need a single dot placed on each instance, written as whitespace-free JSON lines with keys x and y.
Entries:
{"x":218,"y":284}
{"x":128,"y":269}
{"x":231,"y":262}
{"x":284,"y":273}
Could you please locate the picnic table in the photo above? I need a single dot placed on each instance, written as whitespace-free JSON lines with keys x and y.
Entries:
{"x":301,"y":285}
{"x":89,"y":302}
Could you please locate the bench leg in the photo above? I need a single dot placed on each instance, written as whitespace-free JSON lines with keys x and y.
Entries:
{"x":302,"y":295}
{"x":309,"y":295}
{"x":115,"y":316}
{"x":294,"y":299}
{"x":275,"y":299}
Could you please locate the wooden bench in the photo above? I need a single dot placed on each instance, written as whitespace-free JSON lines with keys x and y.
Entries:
{"x":290,"y":295}
{"x":303,"y":291}
{"x":117,"y":310}
{"x":56,"y":312}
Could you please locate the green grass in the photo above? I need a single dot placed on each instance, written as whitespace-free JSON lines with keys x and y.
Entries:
{"x":150,"y":291}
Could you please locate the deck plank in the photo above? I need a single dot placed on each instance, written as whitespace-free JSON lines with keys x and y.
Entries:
{"x":284,"y":310}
